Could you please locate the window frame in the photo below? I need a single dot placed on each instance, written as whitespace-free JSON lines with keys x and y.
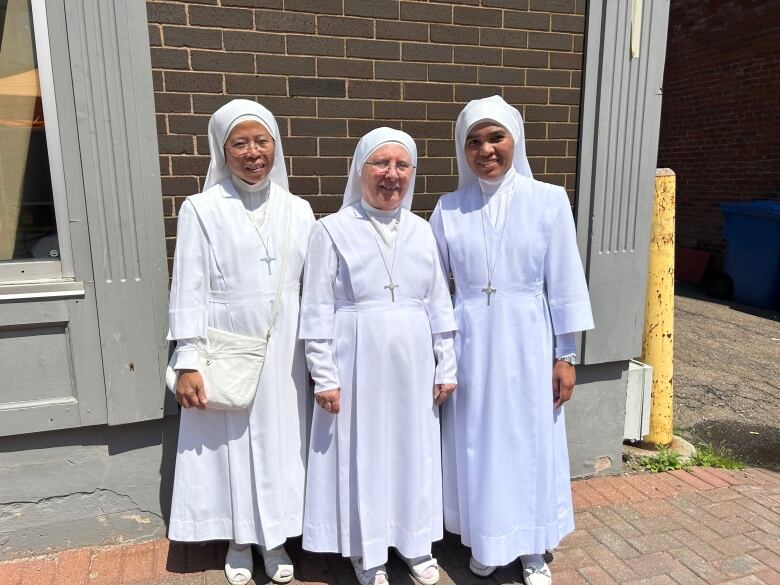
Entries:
{"x":13,"y":272}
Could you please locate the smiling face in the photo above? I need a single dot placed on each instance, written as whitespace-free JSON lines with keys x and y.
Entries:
{"x":384,"y":189}
{"x":249,"y":151}
{"x":489,"y":150}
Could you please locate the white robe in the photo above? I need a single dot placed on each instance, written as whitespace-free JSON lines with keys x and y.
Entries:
{"x":497,"y":195}
{"x":240,"y":475}
{"x":374,"y":477}
{"x":505,"y":460}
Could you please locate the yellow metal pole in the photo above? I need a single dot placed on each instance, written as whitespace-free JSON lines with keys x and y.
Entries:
{"x":658,"y":336}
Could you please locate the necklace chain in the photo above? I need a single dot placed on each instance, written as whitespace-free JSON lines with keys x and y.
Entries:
{"x":268,"y":258}
{"x":489,"y":290}
{"x":391,"y":286}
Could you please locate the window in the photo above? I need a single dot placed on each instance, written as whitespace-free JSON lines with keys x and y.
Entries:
{"x":29,"y":241}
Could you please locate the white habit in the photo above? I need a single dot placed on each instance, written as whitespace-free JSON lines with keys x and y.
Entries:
{"x":505,"y":460}
{"x":374,"y":477}
{"x":240,"y":475}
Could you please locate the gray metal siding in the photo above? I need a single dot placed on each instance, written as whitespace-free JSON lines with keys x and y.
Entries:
{"x":114,"y":105}
{"x":618,"y":148}
{"x":87,"y":371}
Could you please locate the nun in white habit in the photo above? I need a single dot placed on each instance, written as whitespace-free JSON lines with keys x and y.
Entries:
{"x":377,"y":319}
{"x":510,"y":243}
{"x":240,"y":475}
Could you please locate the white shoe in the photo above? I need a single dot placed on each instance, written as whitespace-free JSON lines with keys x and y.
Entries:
{"x":277,"y":563}
{"x":535,"y":570}
{"x":479,"y":569}
{"x":238,"y":564}
{"x":425,"y":569}
{"x":373,"y":576}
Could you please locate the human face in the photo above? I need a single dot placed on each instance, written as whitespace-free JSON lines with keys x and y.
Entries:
{"x":249,"y":151}
{"x":384,"y":189}
{"x":489,"y":150}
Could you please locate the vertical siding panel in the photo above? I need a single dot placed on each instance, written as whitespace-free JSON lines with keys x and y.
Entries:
{"x":632,"y":137}
{"x":112,"y":84}
{"x":82,"y":330}
{"x":617,"y":170}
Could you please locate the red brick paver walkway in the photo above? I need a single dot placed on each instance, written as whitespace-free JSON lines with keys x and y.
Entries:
{"x":681,"y":527}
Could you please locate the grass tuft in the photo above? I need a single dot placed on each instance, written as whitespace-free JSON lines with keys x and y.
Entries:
{"x":664,"y":460}
{"x":707,"y":456}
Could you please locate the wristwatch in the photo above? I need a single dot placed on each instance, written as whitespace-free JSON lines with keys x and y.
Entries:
{"x":570,"y":359}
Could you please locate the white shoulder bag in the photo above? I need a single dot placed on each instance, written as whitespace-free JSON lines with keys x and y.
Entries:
{"x":231,"y":364}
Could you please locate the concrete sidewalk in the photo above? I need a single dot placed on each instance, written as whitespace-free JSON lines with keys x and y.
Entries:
{"x":698,"y":526}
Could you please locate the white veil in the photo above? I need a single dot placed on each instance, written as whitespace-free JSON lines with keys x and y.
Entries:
{"x":490,"y":109}
{"x":220,"y":125}
{"x":367,"y":145}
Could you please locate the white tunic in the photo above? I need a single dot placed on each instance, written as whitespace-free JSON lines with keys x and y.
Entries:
{"x":505,"y":460}
{"x":497,"y":195}
{"x":240,"y":475}
{"x":374,"y":478}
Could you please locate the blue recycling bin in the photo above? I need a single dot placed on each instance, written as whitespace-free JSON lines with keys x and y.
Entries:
{"x":752,"y":234}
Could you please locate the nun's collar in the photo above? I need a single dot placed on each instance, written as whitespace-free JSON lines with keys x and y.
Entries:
{"x":241,"y":185}
{"x":380,"y":213}
{"x":489,"y":187}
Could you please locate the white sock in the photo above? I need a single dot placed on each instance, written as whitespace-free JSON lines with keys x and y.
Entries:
{"x":532,"y":560}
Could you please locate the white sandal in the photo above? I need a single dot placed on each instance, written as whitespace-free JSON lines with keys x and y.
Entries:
{"x":277,"y":563}
{"x":238,"y":564}
{"x":479,"y":569}
{"x":418,"y":566}
{"x":373,"y":576}
{"x":535,"y":570}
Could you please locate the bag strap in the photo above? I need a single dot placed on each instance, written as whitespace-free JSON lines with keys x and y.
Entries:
{"x":280,"y":284}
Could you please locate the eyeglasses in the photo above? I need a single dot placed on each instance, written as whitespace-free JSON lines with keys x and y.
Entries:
{"x":240,"y":147}
{"x":383,"y":166}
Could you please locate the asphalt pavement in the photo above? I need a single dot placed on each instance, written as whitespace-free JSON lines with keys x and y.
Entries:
{"x":727,"y":376}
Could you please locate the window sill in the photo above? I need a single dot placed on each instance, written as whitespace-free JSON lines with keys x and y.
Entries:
{"x":60,"y":289}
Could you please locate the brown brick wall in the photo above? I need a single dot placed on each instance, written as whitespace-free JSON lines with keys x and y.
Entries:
{"x":720,"y":121}
{"x":331,"y":70}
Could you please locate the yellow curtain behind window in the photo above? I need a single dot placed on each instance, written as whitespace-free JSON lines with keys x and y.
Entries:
{"x":19,"y":94}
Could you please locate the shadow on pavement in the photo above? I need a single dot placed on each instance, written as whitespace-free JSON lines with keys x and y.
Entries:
{"x":694,"y":292}
{"x":333,"y":569}
{"x":754,"y":444}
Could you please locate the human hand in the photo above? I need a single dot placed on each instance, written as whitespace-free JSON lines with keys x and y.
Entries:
{"x":563,"y":380}
{"x":190,"y":390}
{"x":328,"y":400}
{"x":441,"y":392}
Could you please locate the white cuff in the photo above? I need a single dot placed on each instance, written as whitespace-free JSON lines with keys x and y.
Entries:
{"x":186,"y":355}
{"x":319,"y":357}
{"x":444,"y":351}
{"x":565,"y":345}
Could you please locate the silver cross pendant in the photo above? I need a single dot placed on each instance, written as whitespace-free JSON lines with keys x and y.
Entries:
{"x":489,"y":290}
{"x":391,"y":287}
{"x":268,"y":259}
